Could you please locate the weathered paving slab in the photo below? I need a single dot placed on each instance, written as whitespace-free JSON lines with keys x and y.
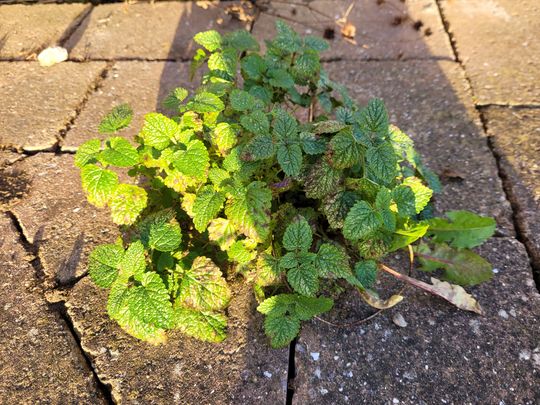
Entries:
{"x":390,"y":29}
{"x":37,"y":103}
{"x":443,"y":355}
{"x":143,"y":85}
{"x":56,"y":217}
{"x":39,"y":358}
{"x":25,"y":30}
{"x":241,"y":370}
{"x":515,"y":134}
{"x":498,"y":43}
{"x":147,"y":31}
{"x":431,"y":102}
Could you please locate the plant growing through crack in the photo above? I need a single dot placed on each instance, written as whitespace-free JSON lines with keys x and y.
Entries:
{"x":271,"y":173}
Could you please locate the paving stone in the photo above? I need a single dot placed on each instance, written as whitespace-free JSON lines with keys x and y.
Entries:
{"x":241,"y":370}
{"x":116,"y":31}
{"x":443,"y":355}
{"x":37,"y":103}
{"x":498,"y":43}
{"x":39,"y":358}
{"x":143,"y":85}
{"x":516,"y":137}
{"x":56,"y":217}
{"x":384,"y":29}
{"x":431,"y":102}
{"x":25,"y":30}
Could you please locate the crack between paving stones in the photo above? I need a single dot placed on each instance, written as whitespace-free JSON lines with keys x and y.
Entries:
{"x":104,"y":388}
{"x":521,"y":234}
{"x":291,"y":373}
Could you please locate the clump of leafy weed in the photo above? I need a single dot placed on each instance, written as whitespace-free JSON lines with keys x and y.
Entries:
{"x":278,"y":176}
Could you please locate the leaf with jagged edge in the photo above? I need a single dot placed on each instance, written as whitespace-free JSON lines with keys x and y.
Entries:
{"x":238,"y":252}
{"x":336,"y":207}
{"x":241,"y":100}
{"x":150,"y":302}
{"x":210,"y":39}
{"x":284,"y":125}
{"x":287,"y":40}
{"x":344,"y":151}
{"x":464,"y":229}
{"x":382,"y":163}
{"x":119,"y":118}
{"x":406,"y":235}
{"x":161,"y":231}
{"x":103,"y":264}
{"x":289,"y":157}
{"x":280,"y":78}
{"x":298,"y":236}
{"x":223,"y":62}
{"x":223,"y":137}
{"x":119,"y":152}
{"x":203,"y":325}
{"x":281,"y":329}
{"x":205,"y":102}
{"x":175,"y":97}
{"x":316,"y":43}
{"x":253,"y":66}
{"x":332,"y":259}
{"x":127,"y":203}
{"x":87,"y":153}
{"x":207,"y":205}
{"x":248,"y":209}
{"x":158,"y":130}
{"x":178,"y":181}
{"x":221,"y":231}
{"x":366,"y":272}
{"x":312,"y":144}
{"x":194,"y":161}
{"x":422,"y":194}
{"x":405,"y":200}
{"x":304,"y":279}
{"x":99,"y":184}
{"x":328,"y":127}
{"x":203,"y":287}
{"x":256,"y":122}
{"x":242,"y":41}
{"x":133,"y":262}
{"x":321,"y":180}
{"x":361,"y":221}
{"x":308,"y":307}
{"x":258,"y":148}
{"x":374,"y":118}
{"x":268,"y":270}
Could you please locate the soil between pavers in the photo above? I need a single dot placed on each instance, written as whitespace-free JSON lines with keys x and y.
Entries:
{"x":27,"y":29}
{"x":443,"y":355}
{"x":431,"y":102}
{"x":143,"y":85}
{"x":515,"y":135}
{"x":39,"y":357}
{"x":497,"y":40}
{"x":161,"y":30}
{"x":37,"y":103}
{"x":390,"y":29}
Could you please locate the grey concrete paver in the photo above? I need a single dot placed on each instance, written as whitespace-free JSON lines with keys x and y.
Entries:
{"x":27,"y":29}
{"x":443,"y":355}
{"x":243,"y":369}
{"x":147,"y":31}
{"x":37,"y":103}
{"x":390,"y":29}
{"x":430,"y":101}
{"x":39,"y":358}
{"x":498,"y":43}
{"x":143,"y":85}
{"x":515,"y":135}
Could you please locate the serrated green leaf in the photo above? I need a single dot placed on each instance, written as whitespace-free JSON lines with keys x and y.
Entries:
{"x":408,"y":234}
{"x":264,"y":94}
{"x":103,"y":264}
{"x":422,"y":194}
{"x":99,"y":184}
{"x":119,"y":152}
{"x":382,"y":163}
{"x":150,"y":302}
{"x":464,"y":230}
{"x":239,"y":253}
{"x":126,"y":203}
{"x":289,"y":157}
{"x":312,"y":144}
{"x":366,"y":272}
{"x":344,"y":150}
{"x":211,"y":40}
{"x":120,"y":117}
{"x":253,"y":66}
{"x":308,"y":307}
{"x":268,"y":270}
{"x":242,"y":41}
{"x":328,"y":127}
{"x":198,"y":60}
{"x":133,"y":262}
{"x":221,"y":231}
{"x":87,"y":153}
{"x":207,"y":205}
{"x":315,"y":43}
{"x":321,"y":180}
{"x":286,"y":40}
{"x":207,"y":326}
{"x":332,"y":259}
{"x":223,"y":62}
{"x":336,"y":207}
{"x":205,"y":102}
{"x":175,"y":97}
{"x":281,"y":329}
{"x":223,"y":137}
{"x":405,"y":200}
{"x":284,"y":125}
{"x":203,"y":287}
{"x":256,"y":122}
{"x":374,"y":118}
{"x":280,"y":78}
{"x":304,"y":279}
{"x":258,"y":148}
{"x":298,"y":235}
{"x":460,"y":266}
{"x":193,"y":161}
{"x":361,"y":221}
{"x":241,"y":100}
{"x":307,"y":64}
{"x":161,"y":231}
{"x":158,"y":130}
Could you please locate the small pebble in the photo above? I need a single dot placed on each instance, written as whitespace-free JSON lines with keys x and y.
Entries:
{"x":399,"y":320}
{"x":525,"y":355}
{"x":315,"y":356}
{"x":267,"y":374}
{"x":503,"y":314}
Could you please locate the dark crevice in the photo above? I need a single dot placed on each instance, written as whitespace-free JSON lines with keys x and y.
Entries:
{"x":405,"y":59}
{"x":104,"y":389}
{"x":74,"y":26}
{"x":512,"y":106}
{"x":130,"y":59}
{"x":31,"y":249}
{"x":446,"y":25}
{"x":291,"y":374}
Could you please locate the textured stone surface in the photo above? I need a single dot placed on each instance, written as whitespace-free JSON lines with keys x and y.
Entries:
{"x":143,"y":85}
{"x":147,"y":31}
{"x":431,"y":102}
{"x":443,"y":355}
{"x":37,"y":103}
{"x":384,"y":30}
{"x":498,"y":43}
{"x":25,"y":30}
{"x":516,"y":137}
{"x":241,"y":370}
{"x":56,"y":217}
{"x":39,"y":358}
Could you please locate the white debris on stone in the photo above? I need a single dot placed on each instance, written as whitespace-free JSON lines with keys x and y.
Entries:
{"x":399,"y":320}
{"x":495,"y":270}
{"x":318,"y":372}
{"x":525,"y":354}
{"x":267,"y":374}
{"x":395,"y":401}
{"x":323,"y":391}
{"x":503,"y":314}
{"x":475,"y":326}
{"x":315,"y":356}
{"x":52,"y":55}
